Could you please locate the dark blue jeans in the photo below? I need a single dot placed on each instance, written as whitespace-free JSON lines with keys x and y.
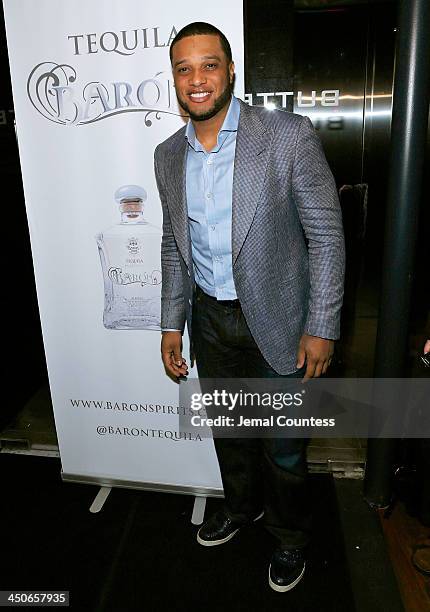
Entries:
{"x":257,"y":474}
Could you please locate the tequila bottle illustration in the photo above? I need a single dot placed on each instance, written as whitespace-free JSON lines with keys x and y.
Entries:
{"x":130,"y":259}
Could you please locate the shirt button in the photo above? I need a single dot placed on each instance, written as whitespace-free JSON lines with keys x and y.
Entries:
{"x":189,"y":302}
{"x":209,"y":195}
{"x":212,"y":227}
{"x":188,"y":273}
{"x":209,"y":161}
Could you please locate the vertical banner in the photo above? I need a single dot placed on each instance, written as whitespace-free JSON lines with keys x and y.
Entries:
{"x":93,"y":95}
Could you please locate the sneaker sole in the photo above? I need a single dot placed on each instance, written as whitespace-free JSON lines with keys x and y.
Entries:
{"x":288,"y":587}
{"x":224,"y":540}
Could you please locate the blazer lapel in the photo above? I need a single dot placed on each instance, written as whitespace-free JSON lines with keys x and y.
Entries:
{"x":251,"y":159}
{"x":178,"y":204}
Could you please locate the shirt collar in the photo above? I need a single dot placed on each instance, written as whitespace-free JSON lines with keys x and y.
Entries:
{"x":230,"y":124}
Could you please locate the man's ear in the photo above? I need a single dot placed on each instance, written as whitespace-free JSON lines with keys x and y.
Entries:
{"x":231,"y":71}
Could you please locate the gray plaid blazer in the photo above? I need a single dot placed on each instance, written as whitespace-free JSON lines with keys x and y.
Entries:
{"x":287,"y":237}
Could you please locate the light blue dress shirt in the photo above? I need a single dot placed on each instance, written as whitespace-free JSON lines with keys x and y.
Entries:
{"x":209,"y":184}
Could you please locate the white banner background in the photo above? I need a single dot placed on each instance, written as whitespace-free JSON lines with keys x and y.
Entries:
{"x":70,"y":173}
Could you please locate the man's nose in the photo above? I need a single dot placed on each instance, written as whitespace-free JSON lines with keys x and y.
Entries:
{"x":197,"y":77}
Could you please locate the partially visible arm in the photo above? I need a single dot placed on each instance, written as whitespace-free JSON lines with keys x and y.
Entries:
{"x":426,"y":348}
{"x":171,"y":354}
{"x":172,"y":300}
{"x":315,"y":194}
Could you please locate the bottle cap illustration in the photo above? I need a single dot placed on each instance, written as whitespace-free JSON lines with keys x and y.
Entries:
{"x":130,"y":192}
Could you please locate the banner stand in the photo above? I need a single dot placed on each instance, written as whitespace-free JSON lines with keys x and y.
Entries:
{"x":198,"y":510}
{"x":100,"y":499}
{"x":93,"y":97}
{"x":197,"y":516}
{"x":144,"y":486}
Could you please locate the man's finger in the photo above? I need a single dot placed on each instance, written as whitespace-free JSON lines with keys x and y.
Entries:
{"x":170,"y":371}
{"x":179,"y":367}
{"x":310,"y":370}
{"x":169,"y":363}
{"x":318,"y":369}
{"x":301,"y":356}
{"x":177,"y":357}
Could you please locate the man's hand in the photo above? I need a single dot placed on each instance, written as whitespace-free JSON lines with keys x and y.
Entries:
{"x":317,"y":352}
{"x":171,"y":354}
{"x":426,"y":348}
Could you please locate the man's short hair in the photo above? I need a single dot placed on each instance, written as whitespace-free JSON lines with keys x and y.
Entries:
{"x":200,"y":27}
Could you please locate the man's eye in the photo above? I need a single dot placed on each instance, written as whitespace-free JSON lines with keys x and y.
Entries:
{"x":183,"y":69}
{"x":211,"y":66}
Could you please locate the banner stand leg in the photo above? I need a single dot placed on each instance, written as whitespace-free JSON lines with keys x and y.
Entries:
{"x":198,"y":510}
{"x":100,"y":499}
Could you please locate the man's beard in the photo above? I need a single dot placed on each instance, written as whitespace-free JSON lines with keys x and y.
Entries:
{"x":219,"y":103}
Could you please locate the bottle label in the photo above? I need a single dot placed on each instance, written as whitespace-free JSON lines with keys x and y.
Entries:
{"x":120,"y":277}
{"x":132,"y":278}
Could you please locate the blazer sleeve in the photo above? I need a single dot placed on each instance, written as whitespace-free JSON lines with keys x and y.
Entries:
{"x":317,"y":201}
{"x":172,"y":295}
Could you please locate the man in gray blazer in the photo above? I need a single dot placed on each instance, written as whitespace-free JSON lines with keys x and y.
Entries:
{"x":253,"y":261}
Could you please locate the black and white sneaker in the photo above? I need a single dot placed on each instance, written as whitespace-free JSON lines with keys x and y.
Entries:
{"x":219,"y":529}
{"x":286,"y":569}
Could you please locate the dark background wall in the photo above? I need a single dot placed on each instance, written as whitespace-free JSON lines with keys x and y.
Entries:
{"x":24,"y":368}
{"x":349,"y":46}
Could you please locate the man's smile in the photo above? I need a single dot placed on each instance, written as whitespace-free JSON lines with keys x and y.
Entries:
{"x":200,"y":96}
